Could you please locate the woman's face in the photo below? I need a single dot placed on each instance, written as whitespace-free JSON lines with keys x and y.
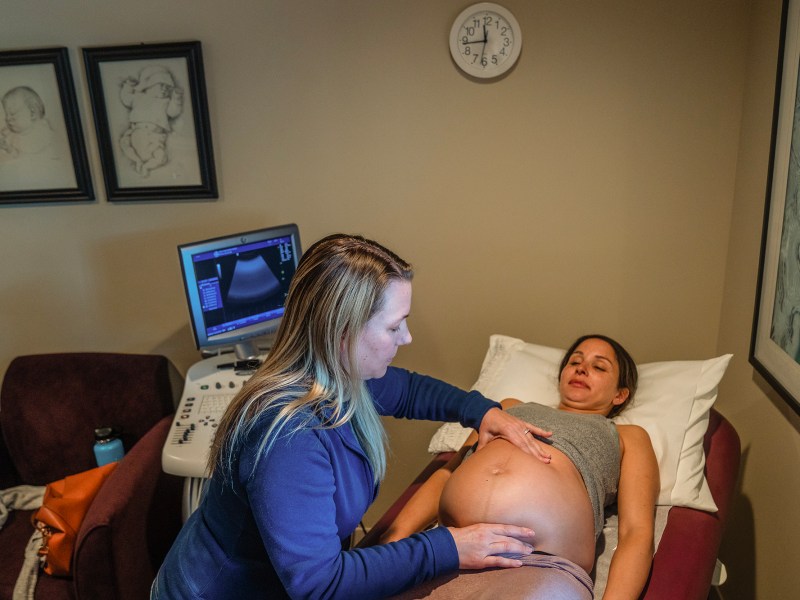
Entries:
{"x":385,"y":332}
{"x":590,"y":378}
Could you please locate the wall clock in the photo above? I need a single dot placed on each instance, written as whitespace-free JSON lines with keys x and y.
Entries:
{"x":485,"y":40}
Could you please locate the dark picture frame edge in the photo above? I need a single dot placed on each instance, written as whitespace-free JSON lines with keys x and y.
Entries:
{"x":776,"y":366}
{"x":83,"y":191}
{"x":191,"y":52}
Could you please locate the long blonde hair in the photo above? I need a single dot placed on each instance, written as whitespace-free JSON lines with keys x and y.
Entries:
{"x":338,"y":286}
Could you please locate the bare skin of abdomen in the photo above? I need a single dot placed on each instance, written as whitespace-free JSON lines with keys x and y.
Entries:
{"x":502,"y":484}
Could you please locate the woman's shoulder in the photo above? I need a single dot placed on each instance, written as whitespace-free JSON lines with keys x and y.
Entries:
{"x":632,"y":431}
{"x":634,"y":437}
{"x":279,"y":423}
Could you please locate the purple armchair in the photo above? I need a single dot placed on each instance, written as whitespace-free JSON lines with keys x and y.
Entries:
{"x":50,"y":405}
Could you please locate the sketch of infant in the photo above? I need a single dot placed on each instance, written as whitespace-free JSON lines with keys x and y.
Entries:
{"x":153,"y":102}
{"x":27,"y":130}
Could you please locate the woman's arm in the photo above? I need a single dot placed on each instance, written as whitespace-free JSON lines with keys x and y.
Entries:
{"x":404,"y":394}
{"x":638,"y":490}
{"x":301,"y":521}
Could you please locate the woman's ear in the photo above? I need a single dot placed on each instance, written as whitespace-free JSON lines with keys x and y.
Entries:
{"x":621,"y":397}
{"x":344,"y":352}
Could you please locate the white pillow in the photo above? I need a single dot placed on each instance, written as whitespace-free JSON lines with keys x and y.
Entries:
{"x":672,"y":404}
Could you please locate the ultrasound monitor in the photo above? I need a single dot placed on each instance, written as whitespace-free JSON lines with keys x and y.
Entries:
{"x":236,"y":286}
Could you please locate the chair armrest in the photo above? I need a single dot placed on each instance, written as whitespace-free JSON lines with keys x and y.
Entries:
{"x":130,"y":525}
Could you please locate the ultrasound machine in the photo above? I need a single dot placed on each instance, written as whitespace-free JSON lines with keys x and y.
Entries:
{"x":236,"y":287}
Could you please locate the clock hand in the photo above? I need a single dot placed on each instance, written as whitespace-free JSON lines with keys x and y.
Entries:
{"x":483,"y":50}
{"x":483,"y":41}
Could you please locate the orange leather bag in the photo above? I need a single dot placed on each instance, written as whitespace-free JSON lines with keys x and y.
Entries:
{"x":59,"y":518}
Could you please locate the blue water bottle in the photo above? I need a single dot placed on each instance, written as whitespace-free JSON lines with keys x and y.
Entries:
{"x":107,"y":445}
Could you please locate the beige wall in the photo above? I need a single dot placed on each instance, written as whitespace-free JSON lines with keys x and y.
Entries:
{"x":762,"y":536}
{"x":613,"y":182}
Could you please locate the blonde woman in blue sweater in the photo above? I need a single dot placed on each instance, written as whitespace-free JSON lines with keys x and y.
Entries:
{"x":300,"y":451}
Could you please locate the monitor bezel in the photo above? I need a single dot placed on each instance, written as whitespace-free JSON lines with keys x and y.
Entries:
{"x":242,"y":340}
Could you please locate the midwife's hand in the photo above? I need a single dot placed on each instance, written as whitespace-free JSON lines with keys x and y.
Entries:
{"x":478,"y":543}
{"x":499,"y":424}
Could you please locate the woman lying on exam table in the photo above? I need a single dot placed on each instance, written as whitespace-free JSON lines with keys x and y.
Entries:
{"x":300,"y":450}
{"x":594,"y":462}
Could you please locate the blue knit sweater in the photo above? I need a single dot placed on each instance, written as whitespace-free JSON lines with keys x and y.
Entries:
{"x":280,"y":533}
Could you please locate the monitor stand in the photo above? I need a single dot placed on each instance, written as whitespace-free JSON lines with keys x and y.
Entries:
{"x":247,"y":350}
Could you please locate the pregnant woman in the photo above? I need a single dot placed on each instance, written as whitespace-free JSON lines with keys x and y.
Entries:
{"x":594,"y":462}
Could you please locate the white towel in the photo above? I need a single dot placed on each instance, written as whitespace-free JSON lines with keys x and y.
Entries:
{"x":608,"y":543}
{"x":24,"y":497}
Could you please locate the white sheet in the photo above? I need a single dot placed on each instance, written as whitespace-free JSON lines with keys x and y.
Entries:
{"x":607,"y":543}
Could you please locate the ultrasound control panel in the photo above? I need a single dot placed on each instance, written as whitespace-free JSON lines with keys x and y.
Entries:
{"x":210,"y":386}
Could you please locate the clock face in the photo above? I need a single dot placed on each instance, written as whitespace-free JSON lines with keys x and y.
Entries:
{"x":485,"y":40}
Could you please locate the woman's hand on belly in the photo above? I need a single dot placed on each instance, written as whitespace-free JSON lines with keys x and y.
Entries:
{"x":478,"y":544}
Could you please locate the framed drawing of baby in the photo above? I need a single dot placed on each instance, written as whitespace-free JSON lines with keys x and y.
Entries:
{"x":151,"y":116}
{"x":42,"y":150}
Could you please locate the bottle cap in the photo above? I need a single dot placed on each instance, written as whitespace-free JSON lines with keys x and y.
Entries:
{"x":102,"y":434}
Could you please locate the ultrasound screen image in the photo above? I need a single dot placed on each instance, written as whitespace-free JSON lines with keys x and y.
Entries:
{"x":243,"y":285}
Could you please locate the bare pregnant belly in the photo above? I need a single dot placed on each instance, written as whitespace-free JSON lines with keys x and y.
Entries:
{"x":502,"y":484}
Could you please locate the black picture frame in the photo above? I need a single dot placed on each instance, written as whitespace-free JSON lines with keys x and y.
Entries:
{"x":775,"y":340}
{"x":151,"y":115}
{"x":42,"y":149}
